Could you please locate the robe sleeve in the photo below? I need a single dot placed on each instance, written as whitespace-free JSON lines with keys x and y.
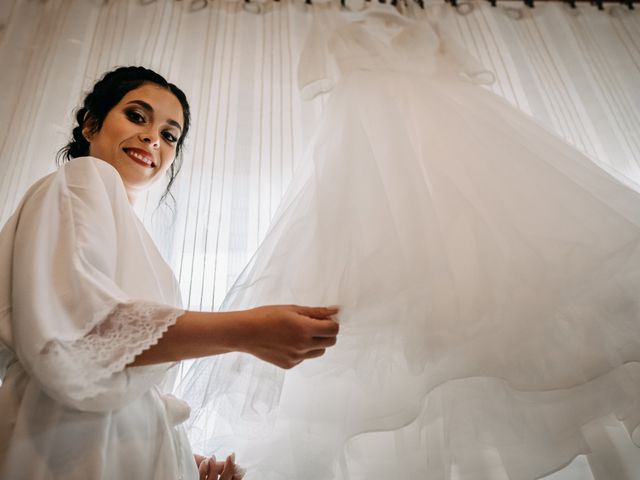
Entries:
{"x":74,"y":327}
{"x":467,"y":65}
{"x":441,"y":17}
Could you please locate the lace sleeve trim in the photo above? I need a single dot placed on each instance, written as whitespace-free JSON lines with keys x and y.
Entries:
{"x":125,"y":330}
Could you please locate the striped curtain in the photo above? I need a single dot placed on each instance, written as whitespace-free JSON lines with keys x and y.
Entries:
{"x":576,"y":71}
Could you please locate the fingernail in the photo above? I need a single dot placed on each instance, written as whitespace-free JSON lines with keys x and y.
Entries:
{"x":233,"y":457}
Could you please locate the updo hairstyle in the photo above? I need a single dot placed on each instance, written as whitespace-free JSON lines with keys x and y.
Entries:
{"x":106,"y":94}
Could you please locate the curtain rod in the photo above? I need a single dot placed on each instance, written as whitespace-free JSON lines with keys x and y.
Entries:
{"x":195,"y":5}
{"x":572,"y":3}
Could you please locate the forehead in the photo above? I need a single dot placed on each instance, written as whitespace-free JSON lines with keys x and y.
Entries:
{"x":165,"y":104}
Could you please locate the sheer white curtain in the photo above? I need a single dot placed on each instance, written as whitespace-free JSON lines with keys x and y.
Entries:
{"x":576,"y":71}
{"x":238,"y":70}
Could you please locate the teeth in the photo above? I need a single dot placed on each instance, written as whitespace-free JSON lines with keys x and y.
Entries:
{"x":139,"y":157}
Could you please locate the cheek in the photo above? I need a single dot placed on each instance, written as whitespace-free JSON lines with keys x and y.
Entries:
{"x":98,"y":146}
{"x":169,"y":155}
{"x":106,"y":140}
{"x":120,"y":133}
{"x":168,"y":158}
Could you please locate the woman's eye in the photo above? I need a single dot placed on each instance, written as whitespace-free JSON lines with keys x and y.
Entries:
{"x":170,"y":137}
{"x":135,"y":117}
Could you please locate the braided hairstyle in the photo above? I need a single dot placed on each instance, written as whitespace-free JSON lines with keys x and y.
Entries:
{"x":106,"y":94}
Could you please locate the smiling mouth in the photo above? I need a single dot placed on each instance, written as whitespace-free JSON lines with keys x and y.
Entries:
{"x":139,"y":158}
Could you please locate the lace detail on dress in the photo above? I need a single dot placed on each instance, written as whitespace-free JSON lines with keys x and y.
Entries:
{"x":127,"y":329}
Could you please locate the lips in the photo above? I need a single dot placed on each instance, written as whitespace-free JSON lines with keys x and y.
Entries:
{"x":142,"y":157}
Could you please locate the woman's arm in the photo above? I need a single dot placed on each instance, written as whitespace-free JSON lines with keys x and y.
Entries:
{"x":284,"y":335}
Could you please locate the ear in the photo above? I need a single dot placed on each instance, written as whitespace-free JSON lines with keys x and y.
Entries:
{"x":88,"y":127}
{"x":86,"y":133}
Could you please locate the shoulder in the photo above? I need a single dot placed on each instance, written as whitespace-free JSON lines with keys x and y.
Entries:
{"x":87,"y":172}
{"x":83,"y":188}
{"x":88,"y":183}
{"x":89,"y":164}
{"x":93,"y":194}
{"x":82,"y":173}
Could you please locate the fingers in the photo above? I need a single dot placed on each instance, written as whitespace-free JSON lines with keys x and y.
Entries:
{"x":323,"y":342}
{"x":287,"y":334}
{"x":206,"y":469}
{"x":314,"y":353}
{"x":321,"y":335}
{"x":325,"y":329}
{"x":319,"y":313}
{"x":230,"y":470}
{"x":209,"y":469}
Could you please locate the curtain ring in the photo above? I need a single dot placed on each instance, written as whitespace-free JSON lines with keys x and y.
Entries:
{"x":349,"y":5}
{"x":252,"y":7}
{"x":146,"y":2}
{"x":513,"y":12}
{"x":617,"y":11}
{"x":464,"y":8}
{"x":197,"y":5}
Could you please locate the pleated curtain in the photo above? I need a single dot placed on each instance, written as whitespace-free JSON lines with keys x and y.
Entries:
{"x":575,"y":70}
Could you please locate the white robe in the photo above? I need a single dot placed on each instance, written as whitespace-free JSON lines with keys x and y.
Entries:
{"x":83,"y":290}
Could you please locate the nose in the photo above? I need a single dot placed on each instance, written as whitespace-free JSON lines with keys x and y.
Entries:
{"x":150,"y":139}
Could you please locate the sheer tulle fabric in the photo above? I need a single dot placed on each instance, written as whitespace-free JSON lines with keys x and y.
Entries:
{"x":487,"y":274}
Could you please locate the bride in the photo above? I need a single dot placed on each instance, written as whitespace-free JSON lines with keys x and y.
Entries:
{"x":487,"y":272}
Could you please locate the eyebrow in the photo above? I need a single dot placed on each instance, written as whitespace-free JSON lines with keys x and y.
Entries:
{"x":149,"y":109}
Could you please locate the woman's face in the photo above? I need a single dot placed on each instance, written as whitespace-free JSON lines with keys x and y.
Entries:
{"x":139,"y":136}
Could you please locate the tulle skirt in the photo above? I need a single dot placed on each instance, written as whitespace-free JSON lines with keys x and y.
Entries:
{"x":488,"y":276}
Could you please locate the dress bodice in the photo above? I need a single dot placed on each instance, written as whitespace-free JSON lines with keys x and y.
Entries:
{"x":377,"y":39}
{"x":373,"y":42}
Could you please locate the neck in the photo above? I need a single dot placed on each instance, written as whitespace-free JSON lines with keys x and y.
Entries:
{"x":133,"y":195}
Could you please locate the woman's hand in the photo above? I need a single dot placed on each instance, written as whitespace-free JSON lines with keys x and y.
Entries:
{"x":210,"y":469}
{"x":285,"y":335}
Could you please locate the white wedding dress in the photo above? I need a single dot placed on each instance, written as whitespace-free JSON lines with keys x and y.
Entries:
{"x":488,"y":276}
